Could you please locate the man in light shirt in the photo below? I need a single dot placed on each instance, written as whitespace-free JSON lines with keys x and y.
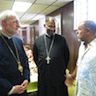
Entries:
{"x":85,"y":70}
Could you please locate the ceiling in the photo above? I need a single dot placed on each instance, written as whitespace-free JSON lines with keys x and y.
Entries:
{"x":38,"y":8}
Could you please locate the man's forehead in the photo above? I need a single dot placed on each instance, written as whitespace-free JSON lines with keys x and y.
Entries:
{"x":11,"y":16}
{"x":51,"y":22}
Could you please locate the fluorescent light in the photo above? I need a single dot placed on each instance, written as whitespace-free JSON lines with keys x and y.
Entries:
{"x":21,"y":6}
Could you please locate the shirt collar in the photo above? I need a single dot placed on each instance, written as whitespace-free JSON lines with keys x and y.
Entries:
{"x":49,"y":35}
{"x":93,"y":43}
{"x":6,"y":35}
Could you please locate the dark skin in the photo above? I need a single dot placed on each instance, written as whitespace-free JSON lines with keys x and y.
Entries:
{"x":50,"y":26}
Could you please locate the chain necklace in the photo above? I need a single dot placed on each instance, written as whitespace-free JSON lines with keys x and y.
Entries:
{"x":50,"y":48}
{"x":20,"y":68}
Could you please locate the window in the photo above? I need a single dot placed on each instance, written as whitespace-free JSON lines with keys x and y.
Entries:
{"x":84,"y":10}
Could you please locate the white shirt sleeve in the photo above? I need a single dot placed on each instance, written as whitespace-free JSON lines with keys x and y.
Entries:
{"x":11,"y":91}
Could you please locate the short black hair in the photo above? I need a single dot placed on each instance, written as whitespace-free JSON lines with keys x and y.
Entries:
{"x":50,"y":17}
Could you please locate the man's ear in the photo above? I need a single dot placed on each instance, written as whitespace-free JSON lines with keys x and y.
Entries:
{"x":3,"y":22}
{"x":88,"y":30}
{"x":45,"y":26}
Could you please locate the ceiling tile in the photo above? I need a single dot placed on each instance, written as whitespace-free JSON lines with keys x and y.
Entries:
{"x":28,"y":16}
{"x":31,"y":1}
{"x":49,"y":10}
{"x":39,"y":16}
{"x":47,"y":2}
{"x":36,"y":8}
{"x":60,"y":3}
{"x":5,"y":5}
{"x":20,"y":14}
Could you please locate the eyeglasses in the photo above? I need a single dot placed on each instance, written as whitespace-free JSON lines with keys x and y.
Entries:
{"x":15,"y":21}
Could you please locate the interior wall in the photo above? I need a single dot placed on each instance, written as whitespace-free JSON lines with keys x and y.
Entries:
{"x":67,"y":24}
{"x":41,"y":26}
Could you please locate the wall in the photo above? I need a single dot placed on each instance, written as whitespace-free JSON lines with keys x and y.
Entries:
{"x":41,"y":26}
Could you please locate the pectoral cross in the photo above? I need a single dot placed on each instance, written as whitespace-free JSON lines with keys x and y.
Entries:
{"x":48,"y":59}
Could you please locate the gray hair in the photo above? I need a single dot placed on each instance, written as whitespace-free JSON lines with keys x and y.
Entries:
{"x":7,"y":13}
{"x":91,"y":25}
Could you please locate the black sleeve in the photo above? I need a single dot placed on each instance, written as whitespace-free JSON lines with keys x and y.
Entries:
{"x":5,"y":86}
{"x":67,"y":52}
{"x":35,"y":54}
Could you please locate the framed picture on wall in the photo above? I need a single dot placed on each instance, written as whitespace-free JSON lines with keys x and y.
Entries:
{"x":58,"y":23}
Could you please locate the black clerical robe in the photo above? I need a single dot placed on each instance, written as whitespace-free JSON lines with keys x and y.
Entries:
{"x":9,"y":74}
{"x":52,"y":74}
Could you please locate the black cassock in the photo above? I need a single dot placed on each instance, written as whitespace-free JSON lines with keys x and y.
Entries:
{"x":51,"y":76}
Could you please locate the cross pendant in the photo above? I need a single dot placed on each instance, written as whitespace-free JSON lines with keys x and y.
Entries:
{"x":48,"y":59}
{"x":20,"y":68}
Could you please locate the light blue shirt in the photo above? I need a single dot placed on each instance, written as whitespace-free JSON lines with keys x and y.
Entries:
{"x":86,"y":72}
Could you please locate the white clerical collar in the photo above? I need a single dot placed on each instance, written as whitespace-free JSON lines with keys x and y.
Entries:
{"x":6,"y":35}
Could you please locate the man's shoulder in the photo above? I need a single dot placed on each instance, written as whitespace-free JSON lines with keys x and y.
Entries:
{"x":39,"y":37}
{"x":16,"y":38}
{"x":59,"y":36}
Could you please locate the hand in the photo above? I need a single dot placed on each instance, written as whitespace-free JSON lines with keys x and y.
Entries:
{"x":69,"y":81}
{"x":24,"y":84}
{"x":19,"y":89}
